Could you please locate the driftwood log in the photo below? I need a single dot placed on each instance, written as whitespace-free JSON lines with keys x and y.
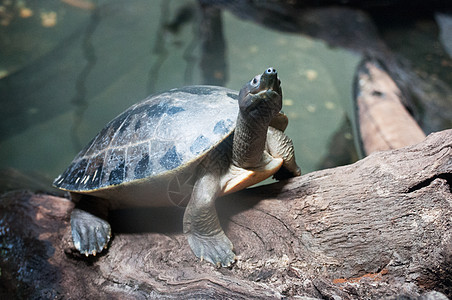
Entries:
{"x":384,"y":121}
{"x":379,"y":228}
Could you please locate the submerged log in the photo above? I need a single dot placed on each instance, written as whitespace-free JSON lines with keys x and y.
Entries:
{"x":379,"y":228}
{"x":384,"y":122}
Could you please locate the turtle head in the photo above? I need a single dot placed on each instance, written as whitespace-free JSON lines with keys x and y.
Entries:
{"x":260,"y":100}
{"x":262,"y":95}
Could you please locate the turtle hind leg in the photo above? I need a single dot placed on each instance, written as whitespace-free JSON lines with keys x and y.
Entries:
{"x":90,"y":233}
{"x":202,"y":227}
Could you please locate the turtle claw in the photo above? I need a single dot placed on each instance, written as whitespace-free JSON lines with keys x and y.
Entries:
{"x":90,"y":234}
{"x":216,"y":249}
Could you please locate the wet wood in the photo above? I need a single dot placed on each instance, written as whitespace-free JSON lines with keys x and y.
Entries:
{"x":378,"y":228}
{"x":384,"y":122}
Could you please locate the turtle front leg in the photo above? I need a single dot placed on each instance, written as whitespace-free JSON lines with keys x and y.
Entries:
{"x":280,"y":145}
{"x":201,"y":225}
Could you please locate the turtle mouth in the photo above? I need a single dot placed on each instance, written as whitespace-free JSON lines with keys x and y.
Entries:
{"x":266,"y":95}
{"x":269,"y":81}
{"x":262,"y":93}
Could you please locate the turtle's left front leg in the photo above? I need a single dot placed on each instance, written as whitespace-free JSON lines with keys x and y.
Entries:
{"x":201,"y":224}
{"x":280,"y":145}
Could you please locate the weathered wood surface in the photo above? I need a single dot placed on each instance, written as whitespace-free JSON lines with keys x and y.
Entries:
{"x":378,"y":228}
{"x":384,"y":122}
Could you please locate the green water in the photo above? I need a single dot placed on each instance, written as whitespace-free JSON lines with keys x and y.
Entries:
{"x":132,"y":56}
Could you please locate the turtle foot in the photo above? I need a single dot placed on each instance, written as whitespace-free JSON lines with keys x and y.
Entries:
{"x":90,"y":234}
{"x":285,"y":173}
{"x":216,"y":249}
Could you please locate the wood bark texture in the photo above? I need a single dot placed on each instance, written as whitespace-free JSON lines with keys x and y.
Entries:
{"x":379,"y":228}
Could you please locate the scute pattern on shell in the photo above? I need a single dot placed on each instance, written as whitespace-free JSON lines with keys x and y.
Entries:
{"x":152,"y":137}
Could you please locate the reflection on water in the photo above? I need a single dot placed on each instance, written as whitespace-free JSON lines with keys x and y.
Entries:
{"x":90,"y":60}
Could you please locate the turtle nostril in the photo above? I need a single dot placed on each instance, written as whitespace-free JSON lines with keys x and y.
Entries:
{"x":271,"y":71}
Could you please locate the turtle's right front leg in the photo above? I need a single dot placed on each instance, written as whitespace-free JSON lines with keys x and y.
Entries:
{"x":201,"y":225}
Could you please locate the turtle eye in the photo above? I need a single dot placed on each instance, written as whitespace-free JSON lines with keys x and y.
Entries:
{"x":254,"y":81}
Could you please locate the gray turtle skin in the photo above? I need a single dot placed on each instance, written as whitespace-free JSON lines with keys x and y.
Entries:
{"x":212,"y":139}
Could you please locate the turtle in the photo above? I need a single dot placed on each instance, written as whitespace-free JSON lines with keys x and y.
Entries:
{"x":217,"y":139}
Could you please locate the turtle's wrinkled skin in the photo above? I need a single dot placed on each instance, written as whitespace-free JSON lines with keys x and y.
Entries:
{"x":210,"y":138}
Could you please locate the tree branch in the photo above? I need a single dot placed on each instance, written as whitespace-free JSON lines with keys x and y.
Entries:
{"x":378,"y":228}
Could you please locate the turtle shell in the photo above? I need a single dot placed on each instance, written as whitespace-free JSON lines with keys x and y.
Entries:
{"x":163,"y":133}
